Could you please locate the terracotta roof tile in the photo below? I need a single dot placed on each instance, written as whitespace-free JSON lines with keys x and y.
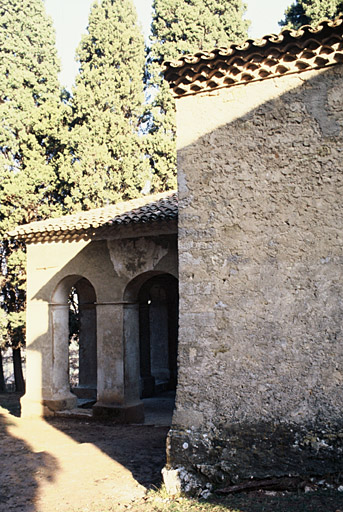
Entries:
{"x":158,"y":207}
{"x":257,"y":59}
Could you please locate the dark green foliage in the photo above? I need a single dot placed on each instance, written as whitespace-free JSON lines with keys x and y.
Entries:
{"x":31,"y":113}
{"x":106,"y":150}
{"x":32,"y":123}
{"x":310,"y":12}
{"x":179,"y":27}
{"x":187,"y":26}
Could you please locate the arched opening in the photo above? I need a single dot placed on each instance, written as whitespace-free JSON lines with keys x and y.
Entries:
{"x":158,"y":334}
{"x":73,"y":311}
{"x":87,"y":346}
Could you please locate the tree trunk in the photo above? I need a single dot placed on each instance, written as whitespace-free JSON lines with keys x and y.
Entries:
{"x":18,"y":371}
{"x":2,"y":378}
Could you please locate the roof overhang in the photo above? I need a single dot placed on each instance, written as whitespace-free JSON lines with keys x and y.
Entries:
{"x":292,"y":51}
{"x":146,"y":216}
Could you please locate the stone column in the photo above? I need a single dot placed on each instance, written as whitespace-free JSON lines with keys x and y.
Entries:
{"x":131,"y":353}
{"x":87,"y":352}
{"x":147,"y":380}
{"x":61,"y":397}
{"x":159,"y":342}
{"x":118,"y":364}
{"x":47,"y":372}
{"x":38,"y":359}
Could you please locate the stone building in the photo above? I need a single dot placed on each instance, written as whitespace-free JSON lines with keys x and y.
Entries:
{"x":121,"y":261}
{"x":260,"y":357}
{"x":260,"y":177}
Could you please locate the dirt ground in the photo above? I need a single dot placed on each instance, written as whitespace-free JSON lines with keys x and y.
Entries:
{"x":69,"y":465}
{"x":66,"y":465}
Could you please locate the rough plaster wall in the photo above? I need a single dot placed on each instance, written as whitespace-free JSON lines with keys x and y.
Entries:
{"x":261,"y":300}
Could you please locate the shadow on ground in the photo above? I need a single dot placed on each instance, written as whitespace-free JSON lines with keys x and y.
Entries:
{"x":140,"y":449}
{"x":25,"y":471}
{"x":21,"y":469}
{"x":317,"y":501}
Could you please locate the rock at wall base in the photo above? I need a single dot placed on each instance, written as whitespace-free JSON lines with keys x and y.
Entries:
{"x":180,"y":481}
{"x":172,"y":481}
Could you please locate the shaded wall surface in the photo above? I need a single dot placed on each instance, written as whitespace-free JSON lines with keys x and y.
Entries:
{"x":260,"y":268}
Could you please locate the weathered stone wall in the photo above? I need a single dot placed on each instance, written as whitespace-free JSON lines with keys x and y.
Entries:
{"x":261,"y":276}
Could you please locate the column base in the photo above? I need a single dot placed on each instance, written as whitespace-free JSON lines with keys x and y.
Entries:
{"x":119,"y":413}
{"x":31,"y":408}
{"x":61,"y":403}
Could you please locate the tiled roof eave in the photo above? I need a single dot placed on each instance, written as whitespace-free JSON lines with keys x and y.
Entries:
{"x":101,"y":232}
{"x":185,"y":92}
{"x":87,"y":224}
{"x":273,"y":55}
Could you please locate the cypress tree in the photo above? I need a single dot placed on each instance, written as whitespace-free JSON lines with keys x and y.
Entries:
{"x":310,"y":12}
{"x":3,"y":342}
{"x":31,"y":114}
{"x":108,"y":161}
{"x":181,"y":27}
{"x":187,"y":26}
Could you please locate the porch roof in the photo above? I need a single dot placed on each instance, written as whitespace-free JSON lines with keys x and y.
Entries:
{"x":144,"y":210}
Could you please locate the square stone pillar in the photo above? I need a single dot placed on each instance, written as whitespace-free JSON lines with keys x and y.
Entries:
{"x":47,"y":375}
{"x":118,"y":364}
{"x":61,"y":398}
{"x":37,"y":331}
{"x":86,"y":387}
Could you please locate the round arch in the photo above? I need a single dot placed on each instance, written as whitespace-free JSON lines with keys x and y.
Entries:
{"x":156,"y":294}
{"x":61,"y":292}
{"x":133,"y":287}
{"x":87,"y":339}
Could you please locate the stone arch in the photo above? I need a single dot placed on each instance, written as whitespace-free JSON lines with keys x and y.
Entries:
{"x":156,"y":316}
{"x":87,"y":337}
